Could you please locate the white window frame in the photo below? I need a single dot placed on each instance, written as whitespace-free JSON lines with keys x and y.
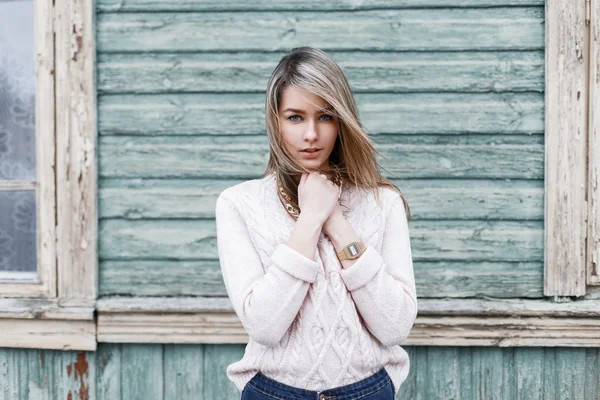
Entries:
{"x":56,"y":309}
{"x":593,"y":249}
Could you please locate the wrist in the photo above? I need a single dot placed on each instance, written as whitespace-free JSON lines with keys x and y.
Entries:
{"x":341,"y":234}
{"x":311,"y":222}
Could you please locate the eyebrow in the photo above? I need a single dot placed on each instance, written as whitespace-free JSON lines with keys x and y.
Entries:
{"x":302,"y":112}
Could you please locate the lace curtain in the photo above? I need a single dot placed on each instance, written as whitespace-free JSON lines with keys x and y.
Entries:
{"x":17,"y":136}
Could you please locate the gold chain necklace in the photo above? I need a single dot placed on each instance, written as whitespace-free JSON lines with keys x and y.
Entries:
{"x":286,"y":199}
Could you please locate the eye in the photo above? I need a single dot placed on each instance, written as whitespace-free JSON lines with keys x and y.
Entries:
{"x":327,"y":117}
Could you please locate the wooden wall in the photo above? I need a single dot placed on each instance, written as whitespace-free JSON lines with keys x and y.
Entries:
{"x":194,"y":372}
{"x":450,"y":91}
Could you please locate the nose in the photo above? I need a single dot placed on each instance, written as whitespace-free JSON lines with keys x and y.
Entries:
{"x":311,"y":133}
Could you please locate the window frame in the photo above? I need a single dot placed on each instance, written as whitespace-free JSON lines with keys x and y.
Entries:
{"x":57,"y":310}
{"x":593,"y":249}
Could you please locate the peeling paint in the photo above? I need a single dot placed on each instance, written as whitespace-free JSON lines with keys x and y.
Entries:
{"x":80,"y":368}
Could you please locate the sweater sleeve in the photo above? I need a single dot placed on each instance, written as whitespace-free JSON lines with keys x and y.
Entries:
{"x":382,"y":284}
{"x":265,"y":303}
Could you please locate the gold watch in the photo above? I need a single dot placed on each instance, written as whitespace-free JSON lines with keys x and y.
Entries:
{"x":352,"y":251}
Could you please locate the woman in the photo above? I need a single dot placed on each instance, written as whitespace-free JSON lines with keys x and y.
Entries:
{"x":315,"y":255}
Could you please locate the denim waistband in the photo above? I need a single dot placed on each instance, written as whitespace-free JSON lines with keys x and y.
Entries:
{"x":351,"y":391}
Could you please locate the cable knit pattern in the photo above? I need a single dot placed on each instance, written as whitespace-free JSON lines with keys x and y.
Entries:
{"x":312,"y":324}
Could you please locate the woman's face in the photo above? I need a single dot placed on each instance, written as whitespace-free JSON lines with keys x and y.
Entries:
{"x":303,"y":125}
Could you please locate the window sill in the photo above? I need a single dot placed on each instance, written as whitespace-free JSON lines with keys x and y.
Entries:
{"x":440,"y":322}
{"x":43,"y":324}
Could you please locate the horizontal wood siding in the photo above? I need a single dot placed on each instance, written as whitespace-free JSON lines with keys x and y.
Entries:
{"x":175,"y":371}
{"x":451,"y":92}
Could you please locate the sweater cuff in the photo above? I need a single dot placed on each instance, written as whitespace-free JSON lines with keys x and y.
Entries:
{"x":295,"y":263}
{"x":363,"y":270}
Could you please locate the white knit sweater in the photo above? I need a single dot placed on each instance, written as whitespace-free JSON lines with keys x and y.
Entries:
{"x":312,"y":324}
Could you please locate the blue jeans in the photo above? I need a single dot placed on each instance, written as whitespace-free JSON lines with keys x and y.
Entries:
{"x":378,"y":386}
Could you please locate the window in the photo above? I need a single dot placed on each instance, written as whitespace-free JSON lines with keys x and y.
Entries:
{"x":47,"y":175}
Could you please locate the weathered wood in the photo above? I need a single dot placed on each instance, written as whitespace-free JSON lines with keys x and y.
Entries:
{"x":566,"y":151}
{"x":593,"y":237}
{"x":189,"y":372}
{"x":142,"y":370}
{"x":382,"y":114}
{"x":76,"y":154}
{"x":498,"y":28}
{"x":218,"y":327}
{"x":238,"y":5}
{"x":45,"y":125}
{"x":434,"y":279}
{"x":108,"y":372}
{"x":48,"y":334}
{"x":195,"y":198}
{"x":427,"y":307}
{"x":366,"y":72}
{"x":171,"y":328}
{"x":505,"y":241}
{"x":489,"y":373}
{"x":220,"y":157}
{"x":39,"y":308}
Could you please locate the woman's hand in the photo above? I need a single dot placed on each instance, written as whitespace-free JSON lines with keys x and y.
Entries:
{"x":317,"y":196}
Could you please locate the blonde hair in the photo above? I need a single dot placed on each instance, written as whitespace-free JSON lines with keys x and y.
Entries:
{"x":316,"y":72}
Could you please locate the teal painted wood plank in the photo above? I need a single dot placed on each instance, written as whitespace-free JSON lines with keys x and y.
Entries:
{"x":184,"y":371}
{"x":108,"y":367}
{"x":14,"y":374}
{"x":570,"y":372}
{"x":502,"y":28}
{"x":381,"y":114}
{"x":466,"y":371}
{"x":161,"y":278}
{"x":442,"y":279}
{"x":508,"y":376}
{"x":366,"y":71}
{"x":592,"y":373}
{"x":220,"y":157}
{"x":216,"y":360}
{"x":237,"y":5}
{"x":528,"y":373}
{"x":431,"y":240}
{"x":443,"y":373}
{"x":550,"y":384}
{"x":428,"y":198}
{"x":142,"y":372}
{"x":408,"y":389}
{"x":487,"y":367}
{"x":434,"y":279}
{"x":42,"y":384}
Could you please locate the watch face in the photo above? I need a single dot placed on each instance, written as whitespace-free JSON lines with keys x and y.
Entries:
{"x":353,"y":249}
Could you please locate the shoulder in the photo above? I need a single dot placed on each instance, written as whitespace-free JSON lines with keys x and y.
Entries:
{"x":392,"y":199}
{"x":240,"y":193}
